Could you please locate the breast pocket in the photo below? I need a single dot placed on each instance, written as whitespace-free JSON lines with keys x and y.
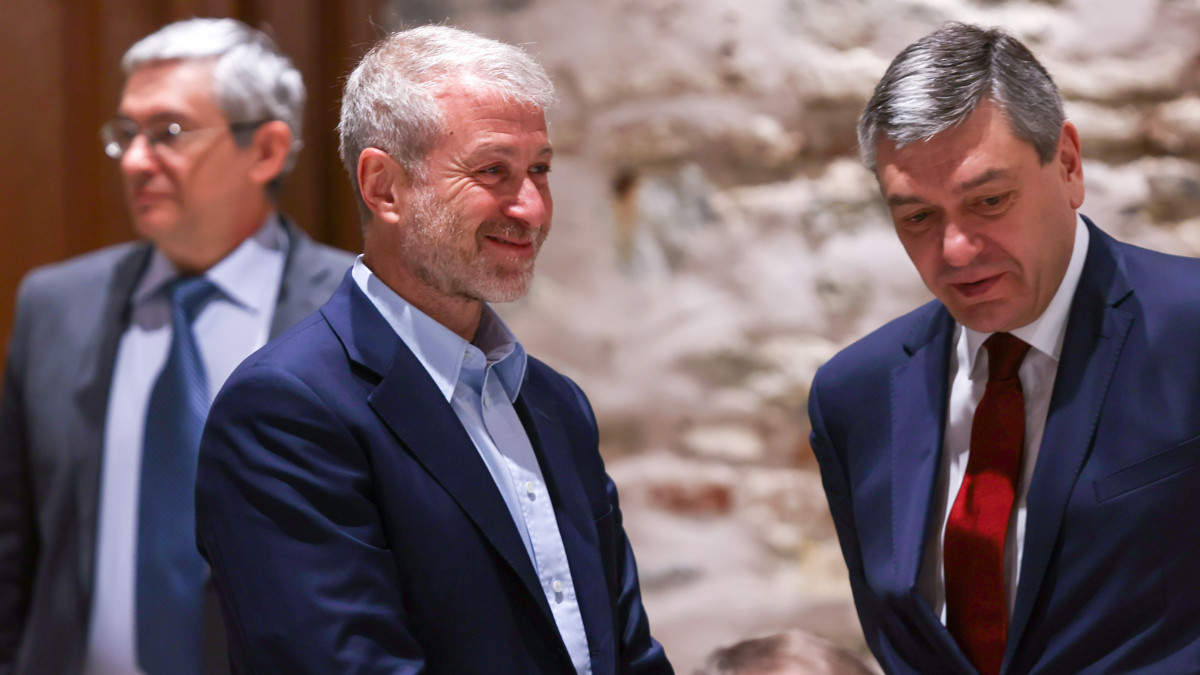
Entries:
{"x":1163,"y":465}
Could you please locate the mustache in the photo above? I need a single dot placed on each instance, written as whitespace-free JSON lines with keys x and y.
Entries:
{"x":510,"y":230}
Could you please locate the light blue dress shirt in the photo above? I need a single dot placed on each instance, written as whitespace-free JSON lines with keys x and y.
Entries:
{"x":229,"y":328}
{"x":481,"y":381}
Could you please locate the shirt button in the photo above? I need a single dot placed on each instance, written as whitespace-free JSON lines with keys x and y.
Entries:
{"x":531,"y":489}
{"x":487,"y":402}
{"x":557,"y":586}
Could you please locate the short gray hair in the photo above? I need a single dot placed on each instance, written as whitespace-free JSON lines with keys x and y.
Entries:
{"x":389,"y":100}
{"x":793,"y":651}
{"x":252,"y":80}
{"x":938,"y":81}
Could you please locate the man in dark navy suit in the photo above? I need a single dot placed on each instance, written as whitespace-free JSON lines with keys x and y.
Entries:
{"x":1012,"y":468}
{"x":394,"y":486}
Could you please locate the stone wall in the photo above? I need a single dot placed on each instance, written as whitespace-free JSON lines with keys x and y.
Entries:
{"x":715,"y":241}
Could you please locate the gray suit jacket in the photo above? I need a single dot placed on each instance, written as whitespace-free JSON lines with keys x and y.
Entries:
{"x":69,"y":321}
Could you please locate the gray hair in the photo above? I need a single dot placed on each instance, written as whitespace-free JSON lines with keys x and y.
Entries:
{"x":252,"y":80}
{"x":793,"y":651}
{"x":938,"y":81}
{"x":389,"y":100}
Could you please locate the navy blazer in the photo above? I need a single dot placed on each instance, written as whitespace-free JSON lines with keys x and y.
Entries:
{"x":352,"y":526}
{"x":1110,"y":577}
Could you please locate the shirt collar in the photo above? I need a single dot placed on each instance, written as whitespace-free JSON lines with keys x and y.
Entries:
{"x":440,"y":350}
{"x":505,"y":355}
{"x":242,"y":277}
{"x":1045,"y":333}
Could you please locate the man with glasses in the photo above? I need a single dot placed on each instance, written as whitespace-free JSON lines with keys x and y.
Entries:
{"x":115,"y":355}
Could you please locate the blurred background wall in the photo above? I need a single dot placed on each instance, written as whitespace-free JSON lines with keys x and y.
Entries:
{"x":715,"y":239}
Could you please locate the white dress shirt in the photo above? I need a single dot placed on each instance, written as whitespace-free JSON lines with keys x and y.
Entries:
{"x":481,"y":381}
{"x":230,"y":327}
{"x":968,"y":371}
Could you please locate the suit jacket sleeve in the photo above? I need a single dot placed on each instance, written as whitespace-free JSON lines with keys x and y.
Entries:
{"x":18,"y":533}
{"x":638,"y":651}
{"x":841,"y":506}
{"x":286,"y":519}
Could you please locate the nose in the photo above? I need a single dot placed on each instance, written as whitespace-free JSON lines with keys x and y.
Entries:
{"x":959,"y":246}
{"x":532,"y":204}
{"x":137,"y":158}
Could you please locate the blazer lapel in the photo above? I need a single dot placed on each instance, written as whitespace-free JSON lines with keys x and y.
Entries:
{"x":410,"y":404}
{"x":92,"y":399}
{"x":303,"y":271}
{"x":542,"y":420}
{"x":919,"y":392}
{"x":1096,"y":330}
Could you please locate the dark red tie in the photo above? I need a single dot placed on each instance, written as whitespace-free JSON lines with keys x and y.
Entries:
{"x":976,"y":607}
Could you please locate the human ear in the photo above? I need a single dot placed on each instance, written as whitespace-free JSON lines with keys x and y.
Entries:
{"x":1070,"y":160}
{"x":383,"y":184}
{"x":271,"y":144}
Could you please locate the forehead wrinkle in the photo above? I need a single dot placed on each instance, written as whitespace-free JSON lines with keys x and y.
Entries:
{"x":966,"y":186}
{"x":982,"y":179}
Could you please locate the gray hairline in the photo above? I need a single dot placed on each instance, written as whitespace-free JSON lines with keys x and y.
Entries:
{"x":253,"y":81}
{"x":507,"y":71}
{"x":1034,"y":115}
{"x":429,"y":91}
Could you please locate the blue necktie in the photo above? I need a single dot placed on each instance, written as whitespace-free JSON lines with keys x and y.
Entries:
{"x":170,"y":571}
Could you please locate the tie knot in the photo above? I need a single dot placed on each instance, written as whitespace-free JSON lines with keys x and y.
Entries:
{"x":1005,"y":353}
{"x":188,"y":294}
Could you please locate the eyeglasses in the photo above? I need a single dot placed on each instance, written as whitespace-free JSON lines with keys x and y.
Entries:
{"x":117,"y":135}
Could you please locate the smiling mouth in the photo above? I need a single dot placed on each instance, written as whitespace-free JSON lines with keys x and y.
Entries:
{"x":518,"y":247}
{"x":510,"y":241}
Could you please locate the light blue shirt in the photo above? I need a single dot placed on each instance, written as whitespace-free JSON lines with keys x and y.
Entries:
{"x":480,"y":382}
{"x":228,"y":328}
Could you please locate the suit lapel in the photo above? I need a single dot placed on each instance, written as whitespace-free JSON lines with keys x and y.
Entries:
{"x":303,"y":271}
{"x":100,"y":344}
{"x":542,"y":420}
{"x":919,"y":392}
{"x":1096,"y":331}
{"x":410,"y":404}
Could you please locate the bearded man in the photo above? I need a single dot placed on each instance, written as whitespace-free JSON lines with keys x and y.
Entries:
{"x":394,"y":486}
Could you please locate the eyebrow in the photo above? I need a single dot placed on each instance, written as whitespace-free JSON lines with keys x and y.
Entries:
{"x":982,"y":179}
{"x":507,"y":150}
{"x":903,"y":200}
{"x":163,"y":116}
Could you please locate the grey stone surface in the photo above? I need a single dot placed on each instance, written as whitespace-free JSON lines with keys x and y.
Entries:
{"x":715,"y":241}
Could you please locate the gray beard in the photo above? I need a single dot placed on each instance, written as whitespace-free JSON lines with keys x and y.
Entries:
{"x":430,"y":225}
